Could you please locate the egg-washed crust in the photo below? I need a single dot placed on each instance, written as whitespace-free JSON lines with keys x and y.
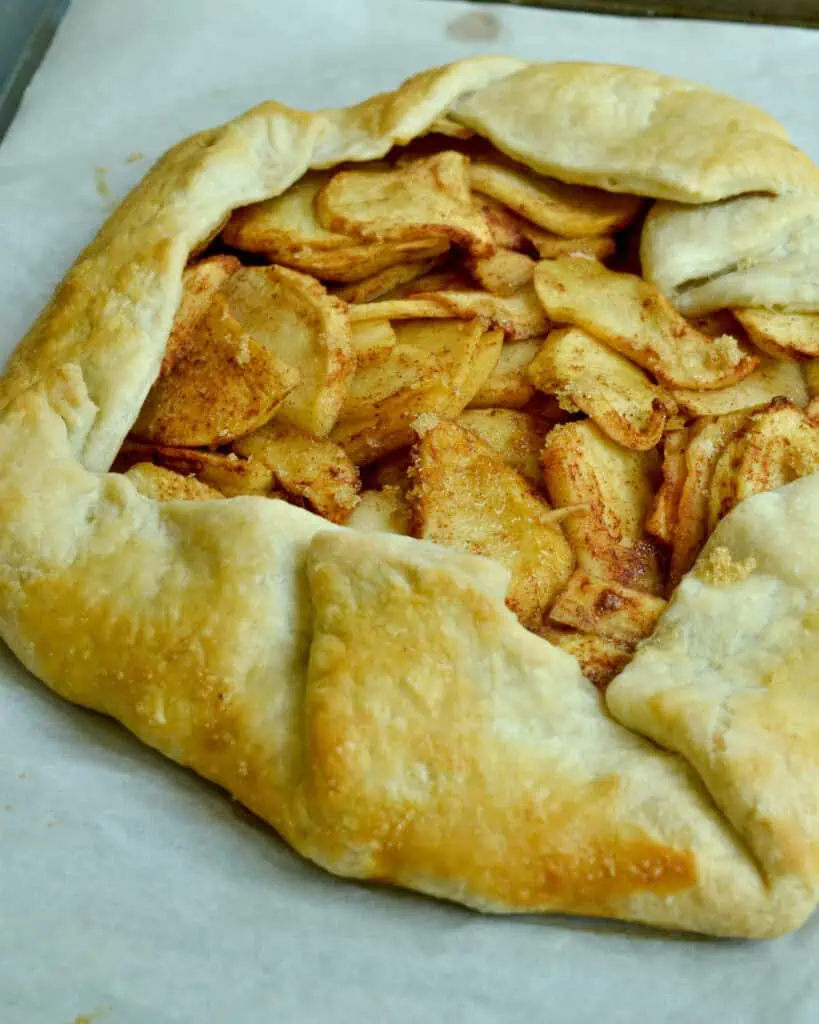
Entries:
{"x":370,"y":696}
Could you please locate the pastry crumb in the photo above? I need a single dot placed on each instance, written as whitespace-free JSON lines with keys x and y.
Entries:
{"x":101,"y":182}
{"x":718,"y":568}
{"x":425,"y":422}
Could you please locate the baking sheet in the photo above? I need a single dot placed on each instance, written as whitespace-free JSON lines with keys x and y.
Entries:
{"x":26,"y":29}
{"x":773,"y":12}
{"x":130,"y":891}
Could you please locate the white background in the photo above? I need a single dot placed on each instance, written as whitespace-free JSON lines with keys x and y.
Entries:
{"x":129,"y":890}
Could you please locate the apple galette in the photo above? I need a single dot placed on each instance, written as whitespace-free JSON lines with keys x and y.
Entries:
{"x":437,"y":475}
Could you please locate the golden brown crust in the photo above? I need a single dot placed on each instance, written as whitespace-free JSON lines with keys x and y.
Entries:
{"x":742,"y":718}
{"x":481,"y":714}
{"x":749,"y":251}
{"x":371,"y":698}
{"x":636,"y":131}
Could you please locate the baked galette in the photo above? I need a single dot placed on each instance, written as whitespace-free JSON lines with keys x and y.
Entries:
{"x":437,"y":476}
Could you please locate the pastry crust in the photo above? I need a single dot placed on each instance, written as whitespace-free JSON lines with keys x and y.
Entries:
{"x":370,"y":696}
{"x":759,"y":249}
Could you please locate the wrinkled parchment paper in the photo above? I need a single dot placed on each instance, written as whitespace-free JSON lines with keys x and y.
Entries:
{"x":130,"y":891}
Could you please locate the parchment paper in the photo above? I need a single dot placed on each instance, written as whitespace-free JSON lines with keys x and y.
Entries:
{"x":130,"y":891}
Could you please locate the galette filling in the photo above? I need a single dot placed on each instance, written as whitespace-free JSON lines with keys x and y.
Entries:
{"x":447,"y":345}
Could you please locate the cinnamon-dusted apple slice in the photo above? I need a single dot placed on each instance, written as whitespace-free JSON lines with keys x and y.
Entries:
{"x":775,"y":446}
{"x":384,"y":511}
{"x":663,"y":519}
{"x":314,"y":469}
{"x":505,"y":272}
{"x":550,"y":246}
{"x":516,"y":436}
{"x":162,"y":484}
{"x":511,"y":231}
{"x":466,"y":497}
{"x":385,"y":399}
{"x":519,"y":316}
{"x":225,"y":385}
{"x":776,"y":454}
{"x":606,"y":608}
{"x":295,"y":317}
{"x":508,"y":386}
{"x":361,"y":262}
{"x":634,"y":318}
{"x":405,"y":368}
{"x":423,"y":199}
{"x":378,"y":285}
{"x":226,"y":472}
{"x":287,"y":230}
{"x":781,"y":335}
{"x":466,"y":352}
{"x":568,"y":210}
{"x":200,"y":282}
{"x":286,"y":224}
{"x":600,"y":658}
{"x":589,"y":376}
{"x":707,"y":439}
{"x":722,"y":493}
{"x":371,"y":341}
{"x":453,"y":279}
{"x":477,"y":370}
{"x":409,"y":308}
{"x":610,"y":490}
{"x":508,"y":229}
{"x":773,"y":378}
